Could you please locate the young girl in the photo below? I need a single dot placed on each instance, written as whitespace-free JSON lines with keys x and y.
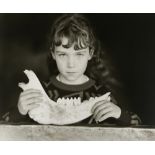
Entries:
{"x":79,"y":69}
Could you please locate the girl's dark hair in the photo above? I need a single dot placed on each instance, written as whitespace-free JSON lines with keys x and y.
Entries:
{"x":77,"y":29}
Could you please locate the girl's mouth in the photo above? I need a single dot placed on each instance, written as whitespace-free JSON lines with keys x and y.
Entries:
{"x":71,"y":72}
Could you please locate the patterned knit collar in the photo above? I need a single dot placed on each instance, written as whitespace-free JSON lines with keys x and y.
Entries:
{"x":69,"y":87}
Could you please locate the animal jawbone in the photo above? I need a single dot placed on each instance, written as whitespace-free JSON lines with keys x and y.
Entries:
{"x":64,"y":111}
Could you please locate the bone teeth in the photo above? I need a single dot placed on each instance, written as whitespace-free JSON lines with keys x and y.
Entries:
{"x":59,"y":101}
{"x":67,"y":101}
{"x":63,"y":101}
{"x":75,"y":101}
{"x":71,"y":101}
{"x":79,"y":100}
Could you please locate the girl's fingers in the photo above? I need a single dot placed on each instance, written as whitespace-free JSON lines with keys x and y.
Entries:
{"x":105,"y":116}
{"x":135,"y":116}
{"x":98,"y":104}
{"x":31,"y":106}
{"x":134,"y":122}
{"x":100,"y":108}
{"x":29,"y":91}
{"x":102,"y":112}
{"x":33,"y":100}
{"x":25,"y":105}
{"x":31,"y":94}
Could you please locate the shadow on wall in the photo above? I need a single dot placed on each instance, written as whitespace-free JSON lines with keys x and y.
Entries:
{"x":23,"y":46}
{"x":18,"y":58}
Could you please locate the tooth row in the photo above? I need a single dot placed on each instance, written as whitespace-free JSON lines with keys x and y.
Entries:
{"x":71,"y":101}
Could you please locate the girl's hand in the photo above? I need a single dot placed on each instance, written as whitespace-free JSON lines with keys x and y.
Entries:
{"x":28,"y":100}
{"x":105,"y":109}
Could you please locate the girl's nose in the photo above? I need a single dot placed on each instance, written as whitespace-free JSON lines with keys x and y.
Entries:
{"x":71,"y":62}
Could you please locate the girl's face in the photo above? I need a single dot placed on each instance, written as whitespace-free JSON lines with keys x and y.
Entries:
{"x":71,"y":63}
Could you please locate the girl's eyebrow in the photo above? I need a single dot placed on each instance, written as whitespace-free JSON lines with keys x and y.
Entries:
{"x":78,"y":51}
{"x":83,"y":51}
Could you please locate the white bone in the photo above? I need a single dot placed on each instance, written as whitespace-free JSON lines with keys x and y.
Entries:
{"x":50,"y":112}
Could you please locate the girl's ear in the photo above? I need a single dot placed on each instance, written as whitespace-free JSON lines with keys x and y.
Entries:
{"x":91,"y":53}
{"x":53,"y":55}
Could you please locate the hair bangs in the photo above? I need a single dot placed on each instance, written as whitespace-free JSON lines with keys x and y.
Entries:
{"x":74,"y":34}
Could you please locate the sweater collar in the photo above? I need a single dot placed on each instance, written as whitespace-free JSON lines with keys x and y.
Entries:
{"x":70,"y":87}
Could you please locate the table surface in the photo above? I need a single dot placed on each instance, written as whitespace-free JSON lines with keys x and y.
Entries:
{"x":15,"y":132}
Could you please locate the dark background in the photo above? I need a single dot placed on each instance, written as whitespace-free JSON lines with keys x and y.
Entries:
{"x":129,"y":39}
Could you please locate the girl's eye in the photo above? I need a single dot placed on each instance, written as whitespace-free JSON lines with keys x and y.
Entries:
{"x":62,"y":55}
{"x":79,"y":54}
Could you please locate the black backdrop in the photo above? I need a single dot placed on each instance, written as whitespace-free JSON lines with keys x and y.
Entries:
{"x":128,"y":37}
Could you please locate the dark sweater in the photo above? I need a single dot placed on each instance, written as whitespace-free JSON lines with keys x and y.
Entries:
{"x":56,"y":89}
